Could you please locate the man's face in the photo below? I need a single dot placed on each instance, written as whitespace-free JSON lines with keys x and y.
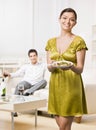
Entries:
{"x":33,"y":57}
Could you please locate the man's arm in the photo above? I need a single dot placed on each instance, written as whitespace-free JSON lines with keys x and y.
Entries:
{"x":18,"y":73}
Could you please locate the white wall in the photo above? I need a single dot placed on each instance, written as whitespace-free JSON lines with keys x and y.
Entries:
{"x":44,"y":25}
{"x":15,"y":28}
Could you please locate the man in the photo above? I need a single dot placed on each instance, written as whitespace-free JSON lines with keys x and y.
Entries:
{"x":33,"y":75}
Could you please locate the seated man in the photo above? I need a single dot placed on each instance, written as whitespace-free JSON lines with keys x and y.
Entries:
{"x":33,"y":74}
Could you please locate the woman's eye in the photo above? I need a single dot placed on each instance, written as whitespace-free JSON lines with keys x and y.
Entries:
{"x":64,"y":18}
{"x":73,"y":20}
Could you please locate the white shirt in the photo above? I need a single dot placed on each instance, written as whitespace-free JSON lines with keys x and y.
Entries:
{"x":32,"y":73}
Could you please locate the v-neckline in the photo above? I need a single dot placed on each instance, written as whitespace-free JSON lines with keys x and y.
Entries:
{"x":66,"y":48}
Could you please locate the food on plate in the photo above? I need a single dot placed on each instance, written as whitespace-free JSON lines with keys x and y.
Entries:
{"x":62,"y":64}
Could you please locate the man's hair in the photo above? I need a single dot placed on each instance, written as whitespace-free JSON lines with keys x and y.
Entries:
{"x":32,"y":51}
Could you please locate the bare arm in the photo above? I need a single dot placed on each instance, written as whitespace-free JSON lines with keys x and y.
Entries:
{"x":80,"y":62}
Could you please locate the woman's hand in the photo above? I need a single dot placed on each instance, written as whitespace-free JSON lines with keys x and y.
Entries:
{"x":51,"y":66}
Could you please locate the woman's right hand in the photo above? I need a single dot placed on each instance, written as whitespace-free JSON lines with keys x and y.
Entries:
{"x":51,"y":66}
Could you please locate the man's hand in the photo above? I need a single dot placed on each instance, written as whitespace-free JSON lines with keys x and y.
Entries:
{"x":6,"y":74}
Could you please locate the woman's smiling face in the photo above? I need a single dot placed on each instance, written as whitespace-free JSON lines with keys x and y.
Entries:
{"x":67,"y":21}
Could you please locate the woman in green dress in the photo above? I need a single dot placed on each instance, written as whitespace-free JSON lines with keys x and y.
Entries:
{"x":66,"y":90}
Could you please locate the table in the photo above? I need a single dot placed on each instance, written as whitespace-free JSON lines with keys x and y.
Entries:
{"x":11,"y":104}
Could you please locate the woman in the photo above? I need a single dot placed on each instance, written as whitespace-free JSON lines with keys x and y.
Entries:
{"x":66,"y":91}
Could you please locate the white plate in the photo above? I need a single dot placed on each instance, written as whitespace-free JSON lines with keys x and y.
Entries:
{"x":62,"y":64}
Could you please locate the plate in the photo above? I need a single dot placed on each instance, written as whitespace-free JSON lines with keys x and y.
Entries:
{"x":62,"y":64}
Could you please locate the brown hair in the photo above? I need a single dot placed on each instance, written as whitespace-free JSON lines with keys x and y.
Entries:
{"x":68,"y":10}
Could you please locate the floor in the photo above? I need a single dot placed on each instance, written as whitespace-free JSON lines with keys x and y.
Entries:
{"x":26,"y":122}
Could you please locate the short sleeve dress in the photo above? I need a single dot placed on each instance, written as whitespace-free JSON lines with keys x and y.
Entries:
{"x":66,"y":89}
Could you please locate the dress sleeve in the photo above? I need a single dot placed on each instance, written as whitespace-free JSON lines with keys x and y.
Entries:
{"x":48,"y":47}
{"x":81,"y":45}
{"x":50,"y":44}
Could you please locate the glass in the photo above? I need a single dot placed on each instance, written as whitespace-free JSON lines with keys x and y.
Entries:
{"x":21,"y":91}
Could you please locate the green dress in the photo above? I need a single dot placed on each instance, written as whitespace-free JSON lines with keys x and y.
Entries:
{"x":66,"y":90}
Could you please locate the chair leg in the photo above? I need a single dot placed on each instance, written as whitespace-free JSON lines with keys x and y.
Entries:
{"x":78,"y":119}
